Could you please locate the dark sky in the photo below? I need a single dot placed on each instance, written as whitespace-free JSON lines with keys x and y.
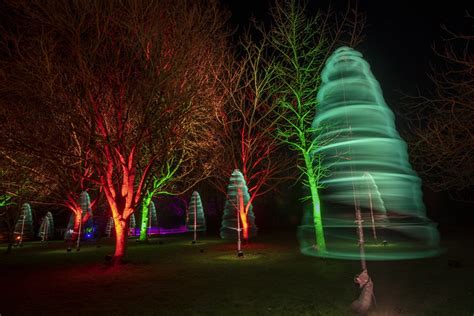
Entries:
{"x":399,"y":35}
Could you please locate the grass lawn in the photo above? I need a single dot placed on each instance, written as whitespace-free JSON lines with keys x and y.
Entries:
{"x":273,"y":278}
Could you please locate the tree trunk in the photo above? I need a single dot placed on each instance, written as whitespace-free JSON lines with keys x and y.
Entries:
{"x":145,"y":219}
{"x":245,"y":226}
{"x":77,"y":225}
{"x":121,"y":239}
{"x":316,"y":205}
{"x":243,"y":215}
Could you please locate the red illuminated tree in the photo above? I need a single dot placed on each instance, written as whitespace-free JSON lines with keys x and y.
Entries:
{"x":134,"y":80}
{"x":249,"y":124}
{"x":41,"y":144}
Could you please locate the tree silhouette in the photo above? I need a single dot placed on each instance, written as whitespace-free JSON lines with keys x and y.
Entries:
{"x":441,"y":124}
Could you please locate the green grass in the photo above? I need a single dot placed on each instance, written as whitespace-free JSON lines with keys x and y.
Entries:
{"x":273,"y":278}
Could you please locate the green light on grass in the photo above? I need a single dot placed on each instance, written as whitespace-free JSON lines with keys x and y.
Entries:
{"x":367,"y":166}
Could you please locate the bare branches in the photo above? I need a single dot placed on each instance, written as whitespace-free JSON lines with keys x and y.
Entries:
{"x":302,"y":44}
{"x":119,"y":90}
{"x":249,"y":125}
{"x":441,"y":124}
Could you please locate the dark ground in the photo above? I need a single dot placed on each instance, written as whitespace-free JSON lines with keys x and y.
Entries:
{"x":273,"y":278}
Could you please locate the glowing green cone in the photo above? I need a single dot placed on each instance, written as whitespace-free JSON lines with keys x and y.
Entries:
{"x":195,"y":220}
{"x":24,"y":225}
{"x":46,"y":230}
{"x":366,"y":165}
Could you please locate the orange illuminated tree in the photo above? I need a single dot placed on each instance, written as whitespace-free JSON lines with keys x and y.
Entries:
{"x":135,"y":81}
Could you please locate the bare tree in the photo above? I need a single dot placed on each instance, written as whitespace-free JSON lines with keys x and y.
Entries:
{"x":249,"y":125}
{"x":39,"y":139}
{"x":133,"y":80}
{"x":441,"y":137}
{"x":302,"y":44}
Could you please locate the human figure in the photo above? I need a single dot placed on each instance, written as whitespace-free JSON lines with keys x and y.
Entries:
{"x":363,"y":303}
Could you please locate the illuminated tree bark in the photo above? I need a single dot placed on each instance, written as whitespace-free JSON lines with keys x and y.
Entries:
{"x":158,"y":188}
{"x":121,"y":238}
{"x":145,"y":222}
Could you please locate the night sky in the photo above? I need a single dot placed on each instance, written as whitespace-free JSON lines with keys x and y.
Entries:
{"x":398,"y":47}
{"x":399,"y":35}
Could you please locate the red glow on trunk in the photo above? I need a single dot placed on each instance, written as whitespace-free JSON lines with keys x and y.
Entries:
{"x":243,"y":210}
{"x":77,"y":223}
{"x":121,"y":229}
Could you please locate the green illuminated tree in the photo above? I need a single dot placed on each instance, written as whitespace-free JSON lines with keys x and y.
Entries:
{"x":9,"y":214}
{"x":302,"y":44}
{"x":158,"y":184}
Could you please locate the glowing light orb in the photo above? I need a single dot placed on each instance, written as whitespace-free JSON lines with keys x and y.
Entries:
{"x":366,"y":166}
